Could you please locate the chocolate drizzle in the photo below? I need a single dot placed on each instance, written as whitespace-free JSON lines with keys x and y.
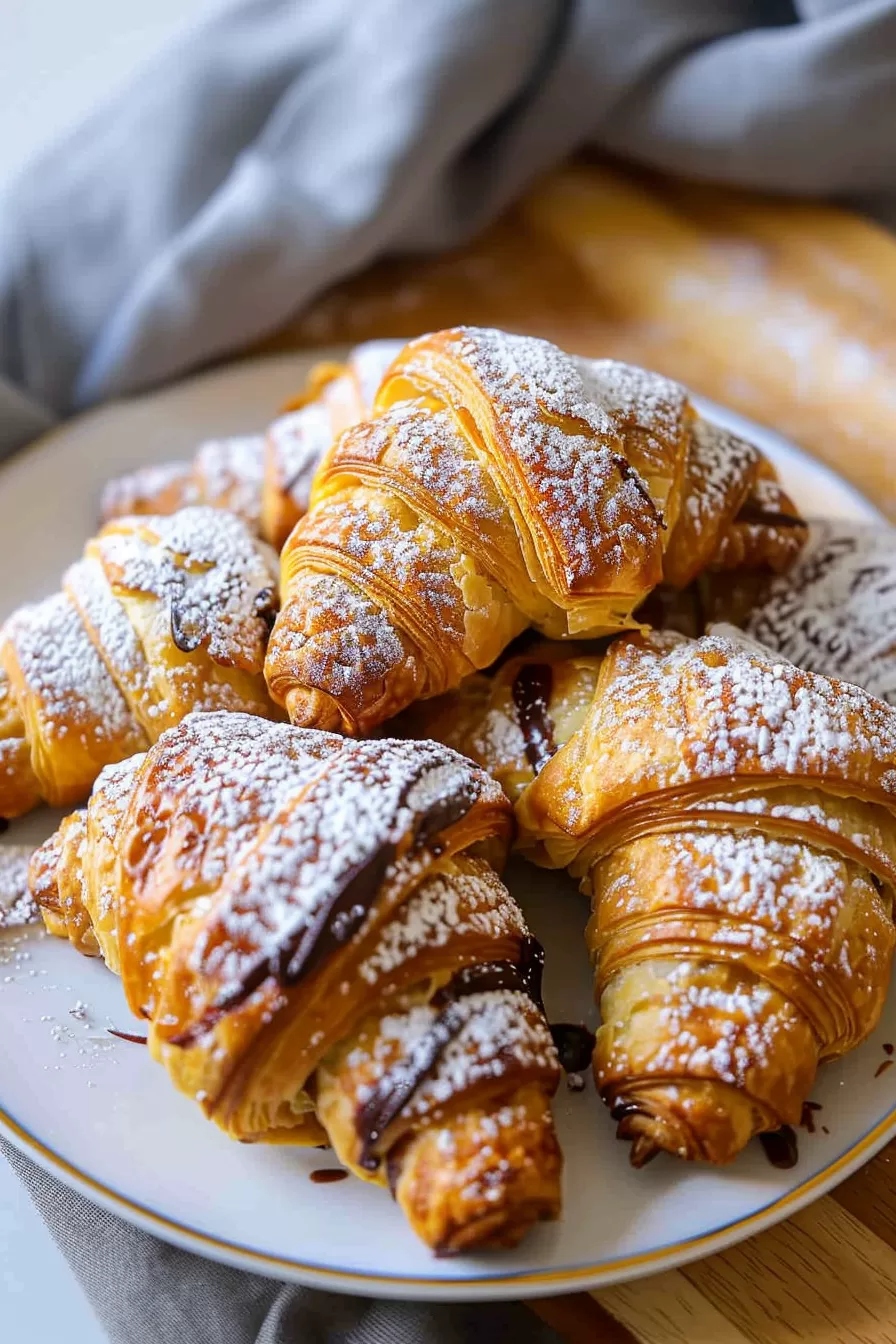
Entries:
{"x":753,"y":513}
{"x":532,"y":688}
{"x":575,"y":1045}
{"x":781,"y":1147}
{"x":127,"y":1036}
{"x":807,"y":1116}
{"x":628,"y":473}
{"x":396,"y":1088}
{"x":301,"y":950}
{"x":266,"y":606}
{"x":186,"y":640}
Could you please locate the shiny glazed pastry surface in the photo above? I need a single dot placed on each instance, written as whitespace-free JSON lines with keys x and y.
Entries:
{"x":264,"y":478}
{"x":314,"y":931}
{"x":501,"y":484}
{"x":733,"y":820}
{"x":160,"y":617}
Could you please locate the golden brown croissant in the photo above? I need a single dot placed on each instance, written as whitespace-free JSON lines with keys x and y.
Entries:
{"x":265,"y":478}
{"x":733,"y":819}
{"x":315,"y":934}
{"x":500,"y":484}
{"x":835,"y":612}
{"x":161,"y":616}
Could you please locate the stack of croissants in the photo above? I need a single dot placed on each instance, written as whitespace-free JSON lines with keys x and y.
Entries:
{"x":524,"y":600}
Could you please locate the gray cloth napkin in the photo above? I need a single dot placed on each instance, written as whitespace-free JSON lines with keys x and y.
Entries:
{"x":287,"y":143}
{"x":146,"y":1292}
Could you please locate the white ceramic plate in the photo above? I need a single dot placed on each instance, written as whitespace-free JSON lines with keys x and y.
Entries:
{"x":101,"y":1115}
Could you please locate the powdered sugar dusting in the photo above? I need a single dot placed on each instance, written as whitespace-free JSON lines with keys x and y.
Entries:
{"x":365,"y":798}
{"x":17,"y":906}
{"x":64,"y":673}
{"x":230,"y":473}
{"x":755,"y":715}
{"x":568,"y":450}
{"x":502,"y":1034}
{"x":443,"y":908}
{"x":298,"y":441}
{"x":204,"y":565}
{"x":834,"y":612}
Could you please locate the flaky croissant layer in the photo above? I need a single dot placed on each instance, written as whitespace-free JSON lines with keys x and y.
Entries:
{"x":733,"y":820}
{"x":263,"y":478}
{"x":314,"y":931}
{"x":161,"y":616}
{"x":498,"y":484}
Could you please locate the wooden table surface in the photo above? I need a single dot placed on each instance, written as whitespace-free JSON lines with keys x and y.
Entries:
{"x":787,"y":312}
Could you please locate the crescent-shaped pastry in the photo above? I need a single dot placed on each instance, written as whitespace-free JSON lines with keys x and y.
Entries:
{"x":265,"y":478}
{"x":835,"y":613}
{"x":161,"y":616}
{"x":315,"y":934}
{"x":733,"y":819}
{"x":500,"y":484}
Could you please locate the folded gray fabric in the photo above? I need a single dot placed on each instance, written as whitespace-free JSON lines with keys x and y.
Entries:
{"x":146,"y":1292}
{"x":286,"y":143}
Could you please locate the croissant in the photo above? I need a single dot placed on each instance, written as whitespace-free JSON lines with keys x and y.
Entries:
{"x":315,"y":934}
{"x":836,"y":612}
{"x":502,"y":484}
{"x":265,"y":478}
{"x":733,"y":819}
{"x":160,"y":617}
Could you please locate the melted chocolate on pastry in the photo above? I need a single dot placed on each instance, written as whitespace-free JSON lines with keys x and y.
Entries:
{"x":185,"y":640}
{"x":628,"y":473}
{"x":396,"y":1088}
{"x":780,"y":1147}
{"x":342,"y":915}
{"x":266,"y":606}
{"x":575,"y":1045}
{"x":752,"y":513}
{"x":127,"y":1036}
{"x":532,"y":688}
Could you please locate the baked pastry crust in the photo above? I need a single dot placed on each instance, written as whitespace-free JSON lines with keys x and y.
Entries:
{"x":733,"y":820}
{"x":500,"y":484}
{"x":264,"y":478}
{"x":161,"y":616}
{"x":316,"y":936}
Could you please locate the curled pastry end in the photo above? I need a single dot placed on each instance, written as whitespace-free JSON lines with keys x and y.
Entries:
{"x":697,"y":1120}
{"x":482,"y":1179}
{"x":311,"y":708}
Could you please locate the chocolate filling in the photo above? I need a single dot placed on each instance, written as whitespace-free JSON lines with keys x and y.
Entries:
{"x":628,"y":473}
{"x":266,"y":606}
{"x":780,"y":1147}
{"x":187,"y":641}
{"x":532,"y":688}
{"x":752,"y":513}
{"x":396,"y":1088}
{"x":303,"y":949}
{"x":575,"y":1045}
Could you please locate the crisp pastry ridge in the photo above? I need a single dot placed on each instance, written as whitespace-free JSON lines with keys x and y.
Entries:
{"x":733,"y":820}
{"x":314,"y":931}
{"x":264,"y":478}
{"x":161,"y":616}
{"x":499,"y":484}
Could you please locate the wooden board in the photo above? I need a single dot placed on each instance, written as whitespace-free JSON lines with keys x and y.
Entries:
{"x":787,"y":312}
